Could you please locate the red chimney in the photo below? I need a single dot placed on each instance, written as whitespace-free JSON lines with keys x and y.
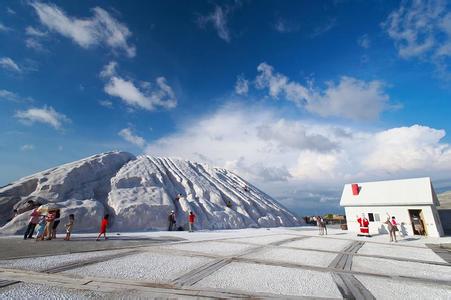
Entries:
{"x":355,"y":189}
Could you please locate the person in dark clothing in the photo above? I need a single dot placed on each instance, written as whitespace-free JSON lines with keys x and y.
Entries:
{"x":34,"y":220}
{"x":172,"y":221}
{"x":56,"y":223}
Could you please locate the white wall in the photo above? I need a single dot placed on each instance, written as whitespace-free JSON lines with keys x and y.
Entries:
{"x":434,"y":227}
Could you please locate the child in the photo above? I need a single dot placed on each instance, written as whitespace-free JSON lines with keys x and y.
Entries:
{"x":103,"y":226}
{"x":69,"y":227}
{"x":191,"y":220}
{"x":41,"y":229}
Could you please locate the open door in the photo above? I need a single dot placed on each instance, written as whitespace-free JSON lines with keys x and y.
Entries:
{"x":417,"y":221}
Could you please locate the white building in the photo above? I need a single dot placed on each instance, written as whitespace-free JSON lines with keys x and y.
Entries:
{"x":412,"y":201}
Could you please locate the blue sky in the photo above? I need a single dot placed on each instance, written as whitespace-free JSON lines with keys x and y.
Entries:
{"x":299,"y":97}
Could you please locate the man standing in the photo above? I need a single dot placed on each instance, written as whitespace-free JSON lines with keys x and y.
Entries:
{"x":171,"y":221}
{"x":191,"y":220}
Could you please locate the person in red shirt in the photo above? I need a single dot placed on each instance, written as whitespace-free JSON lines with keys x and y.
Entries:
{"x":103,"y":227}
{"x":191,"y":220}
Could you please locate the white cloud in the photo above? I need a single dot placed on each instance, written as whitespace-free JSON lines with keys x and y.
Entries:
{"x":100,"y":29}
{"x":4,"y":28}
{"x":108,"y":70}
{"x":106,"y":103}
{"x":327,"y":26}
{"x":284,"y":26}
{"x":45,"y":115}
{"x":241,"y":85}
{"x":13,"y":97}
{"x":147,"y":96}
{"x":8,"y":64}
{"x":325,"y":155}
{"x":31,"y":31}
{"x":351,"y":98}
{"x":364,"y":41}
{"x":27,"y":147}
{"x":128,"y":135}
{"x":422,"y":29}
{"x":218,"y":18}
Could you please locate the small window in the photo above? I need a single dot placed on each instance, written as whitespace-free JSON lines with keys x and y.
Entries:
{"x":371,"y":217}
{"x":377,"y":218}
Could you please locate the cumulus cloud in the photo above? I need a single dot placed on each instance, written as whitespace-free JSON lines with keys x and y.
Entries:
{"x":241,"y":85}
{"x":8,"y":64}
{"x":281,"y":154}
{"x":128,"y":135}
{"x":351,"y":98}
{"x":146,"y":96}
{"x":45,"y":115}
{"x":100,"y":29}
{"x":422,"y":29}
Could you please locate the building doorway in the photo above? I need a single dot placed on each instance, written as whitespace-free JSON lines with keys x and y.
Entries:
{"x":417,"y":220}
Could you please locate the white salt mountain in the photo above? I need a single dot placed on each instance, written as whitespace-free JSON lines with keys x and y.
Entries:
{"x":140,"y":192}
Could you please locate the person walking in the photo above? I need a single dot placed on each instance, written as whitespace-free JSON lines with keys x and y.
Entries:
{"x":69,"y":227}
{"x":172,"y":221}
{"x":34,"y":220}
{"x":191,"y":220}
{"x":323,"y":225}
{"x":103,"y":226}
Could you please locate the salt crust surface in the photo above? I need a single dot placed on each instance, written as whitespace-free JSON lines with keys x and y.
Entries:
{"x":147,"y":266}
{"x":400,"y":268}
{"x":319,"y":244}
{"x":45,"y":262}
{"x":389,"y":289}
{"x":400,"y":251}
{"x":310,"y":258}
{"x":272,"y":279}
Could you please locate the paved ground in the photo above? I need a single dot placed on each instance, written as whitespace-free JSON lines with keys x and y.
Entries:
{"x":276,"y":263}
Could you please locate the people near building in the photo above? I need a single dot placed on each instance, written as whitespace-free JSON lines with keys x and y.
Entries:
{"x":32,"y":222}
{"x":418,"y":225}
{"x":172,"y":221}
{"x":103,"y":227}
{"x":390,"y":229}
{"x":69,"y":226}
{"x":191,"y":220}
{"x":364,"y":225}
{"x":395,"y":226}
{"x":323,"y":225}
{"x":40,"y":229}
{"x":50,"y":219}
{"x":56,"y":222}
{"x":320,"y":226}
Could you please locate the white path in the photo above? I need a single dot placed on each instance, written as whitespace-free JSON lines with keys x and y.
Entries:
{"x":280,"y":262}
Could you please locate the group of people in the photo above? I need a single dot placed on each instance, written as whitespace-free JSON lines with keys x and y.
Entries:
{"x":172,"y":220}
{"x":321,"y":223}
{"x":392,"y":226}
{"x":46,"y":222}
